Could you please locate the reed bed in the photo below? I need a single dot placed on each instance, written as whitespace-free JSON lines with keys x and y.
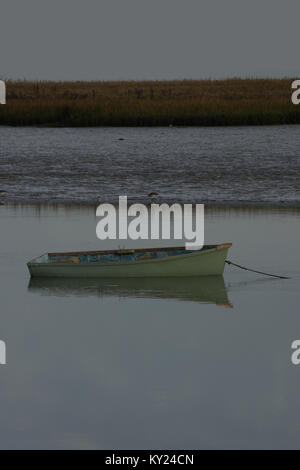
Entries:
{"x":150,"y":103}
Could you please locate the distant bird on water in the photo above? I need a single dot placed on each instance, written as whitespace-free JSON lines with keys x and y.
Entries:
{"x":153,"y":196}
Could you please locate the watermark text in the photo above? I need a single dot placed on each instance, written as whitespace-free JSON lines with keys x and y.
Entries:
{"x":296,"y":93}
{"x":139,"y":222}
{"x":2,"y":352}
{"x":2,"y":92}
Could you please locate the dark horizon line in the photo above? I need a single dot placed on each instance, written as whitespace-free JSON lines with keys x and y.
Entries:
{"x":145,"y":80}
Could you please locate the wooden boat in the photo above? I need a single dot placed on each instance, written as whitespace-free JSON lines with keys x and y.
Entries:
{"x":207,"y":289}
{"x":147,"y":262}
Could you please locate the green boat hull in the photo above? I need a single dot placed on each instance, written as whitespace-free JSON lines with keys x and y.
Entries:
{"x":205,"y":262}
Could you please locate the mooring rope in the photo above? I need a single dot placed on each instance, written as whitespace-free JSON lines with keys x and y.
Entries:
{"x":254,"y":271}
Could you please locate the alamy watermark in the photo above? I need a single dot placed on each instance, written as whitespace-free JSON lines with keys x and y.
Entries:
{"x":2,"y":92}
{"x":296,"y":93}
{"x":295,"y":357}
{"x":2,"y":352}
{"x":159,"y":221}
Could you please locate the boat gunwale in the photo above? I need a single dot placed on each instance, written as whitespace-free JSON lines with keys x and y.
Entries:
{"x":133,"y":250}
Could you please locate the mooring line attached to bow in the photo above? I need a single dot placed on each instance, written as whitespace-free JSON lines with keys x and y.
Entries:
{"x":254,"y":271}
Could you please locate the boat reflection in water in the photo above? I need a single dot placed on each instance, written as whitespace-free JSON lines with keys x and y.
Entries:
{"x":205,"y":289}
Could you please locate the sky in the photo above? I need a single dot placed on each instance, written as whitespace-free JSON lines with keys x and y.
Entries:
{"x":138,"y":39}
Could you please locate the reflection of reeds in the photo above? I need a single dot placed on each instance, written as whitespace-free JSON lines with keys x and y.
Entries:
{"x":150,"y":103}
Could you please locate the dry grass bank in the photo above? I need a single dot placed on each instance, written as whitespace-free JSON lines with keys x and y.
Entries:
{"x":150,"y":103}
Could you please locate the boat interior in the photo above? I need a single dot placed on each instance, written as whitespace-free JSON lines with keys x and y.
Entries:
{"x":116,"y":256}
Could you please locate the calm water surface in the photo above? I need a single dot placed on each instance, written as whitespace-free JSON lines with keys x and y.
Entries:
{"x":229,"y":165}
{"x":115,"y":364}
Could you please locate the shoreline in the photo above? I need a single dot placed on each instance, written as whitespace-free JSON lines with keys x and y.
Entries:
{"x":185,"y":126}
{"x":210,"y":207}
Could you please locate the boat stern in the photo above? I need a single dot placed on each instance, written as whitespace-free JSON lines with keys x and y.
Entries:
{"x":43,"y":259}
